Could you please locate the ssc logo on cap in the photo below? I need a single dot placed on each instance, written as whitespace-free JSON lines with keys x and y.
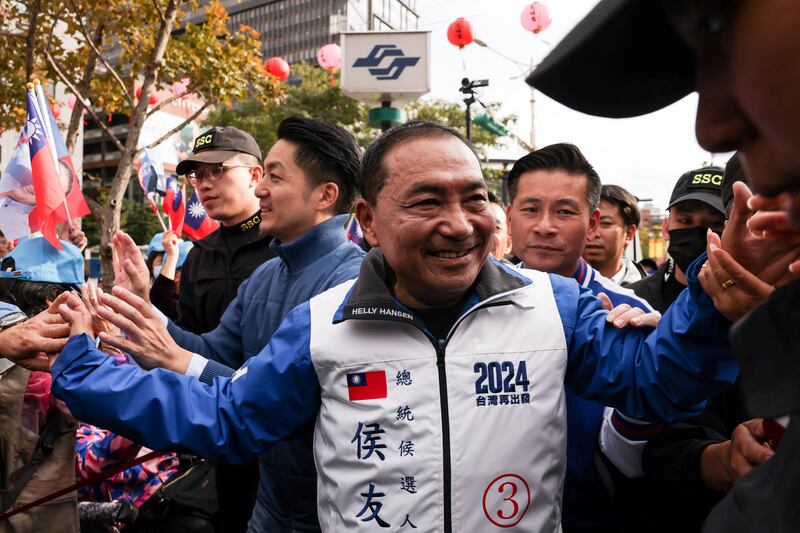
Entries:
{"x":707,"y":179}
{"x":204,"y":141}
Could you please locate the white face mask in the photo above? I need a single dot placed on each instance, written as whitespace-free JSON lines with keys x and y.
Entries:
{"x":156,"y":271}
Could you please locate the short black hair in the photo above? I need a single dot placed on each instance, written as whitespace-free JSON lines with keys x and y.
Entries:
{"x":625,"y":202}
{"x":325,"y":152}
{"x":565,"y":157}
{"x":373,"y":173}
{"x":30,"y":296}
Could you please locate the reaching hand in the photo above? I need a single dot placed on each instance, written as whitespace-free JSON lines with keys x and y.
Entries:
{"x":130,"y":270}
{"x":170,"y":243}
{"x":768,"y":259}
{"x":747,"y":448}
{"x":90,"y":294}
{"x":30,"y":343}
{"x":733,"y":289}
{"x":148,"y":340}
{"x":624,"y":315}
{"x":77,"y":237}
{"x":76,"y":315}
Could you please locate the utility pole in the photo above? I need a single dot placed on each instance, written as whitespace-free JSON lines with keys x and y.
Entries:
{"x":532,"y":140}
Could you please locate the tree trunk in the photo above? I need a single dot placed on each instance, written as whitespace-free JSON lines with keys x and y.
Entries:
{"x":30,"y":42}
{"x":109,"y":219}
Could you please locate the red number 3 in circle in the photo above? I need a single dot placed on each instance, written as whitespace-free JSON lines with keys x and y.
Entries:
{"x":506,"y":500}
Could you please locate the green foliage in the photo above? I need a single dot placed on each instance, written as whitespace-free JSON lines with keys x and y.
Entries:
{"x":309,"y":96}
{"x":139,"y":221}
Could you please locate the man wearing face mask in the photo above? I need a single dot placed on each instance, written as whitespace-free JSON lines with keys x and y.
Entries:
{"x":694,"y":207}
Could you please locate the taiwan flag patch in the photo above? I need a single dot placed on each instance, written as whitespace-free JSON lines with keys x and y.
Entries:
{"x":367,"y":385}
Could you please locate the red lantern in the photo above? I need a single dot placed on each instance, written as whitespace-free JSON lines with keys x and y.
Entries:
{"x":56,"y":108}
{"x":278,"y":67}
{"x":71,"y":101}
{"x":153,"y":100}
{"x":459,"y":33}
{"x":138,"y":92}
{"x":535,"y":17}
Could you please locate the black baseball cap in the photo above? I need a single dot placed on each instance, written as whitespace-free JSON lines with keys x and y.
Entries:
{"x":703,"y":184}
{"x":622,"y":60}
{"x":218,"y":145}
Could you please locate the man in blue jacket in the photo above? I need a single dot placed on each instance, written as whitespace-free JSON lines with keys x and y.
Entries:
{"x":553,"y":214}
{"x":436,"y":379}
{"x":309,"y":183}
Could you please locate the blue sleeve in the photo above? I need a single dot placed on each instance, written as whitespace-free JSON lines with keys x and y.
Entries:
{"x":236,"y":418}
{"x":224,"y":343}
{"x":665,"y":375}
{"x":6,"y":308}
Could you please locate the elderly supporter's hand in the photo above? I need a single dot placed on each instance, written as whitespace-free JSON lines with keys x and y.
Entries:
{"x":734,"y":290}
{"x":76,"y":315}
{"x":772,"y":222}
{"x":148,"y":340}
{"x":30,"y":343}
{"x":769,"y":259}
{"x":77,"y":237}
{"x":130,"y":270}
{"x":624,"y":315}
{"x":721,"y":464}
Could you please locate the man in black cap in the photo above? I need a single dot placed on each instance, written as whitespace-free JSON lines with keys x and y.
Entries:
{"x":224,"y":169}
{"x":742,"y":58}
{"x":694,"y":207}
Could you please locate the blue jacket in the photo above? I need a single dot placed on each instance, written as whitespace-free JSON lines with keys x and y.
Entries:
{"x":320,"y":259}
{"x":663,"y":375}
{"x":588,"y":505}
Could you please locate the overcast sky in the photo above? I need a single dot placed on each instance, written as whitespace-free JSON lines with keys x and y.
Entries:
{"x":646,"y":155}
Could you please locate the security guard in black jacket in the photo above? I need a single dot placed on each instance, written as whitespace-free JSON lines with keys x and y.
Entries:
{"x":695,"y":206}
{"x":224,"y":168}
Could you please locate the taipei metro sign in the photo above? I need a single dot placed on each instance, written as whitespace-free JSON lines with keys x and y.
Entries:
{"x":385,"y":66}
{"x":395,"y":67}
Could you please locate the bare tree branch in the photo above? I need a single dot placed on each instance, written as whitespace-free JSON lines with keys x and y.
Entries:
{"x":159,"y":11}
{"x":175,"y":130}
{"x":166,"y":102}
{"x":82,"y":101}
{"x":96,"y":51}
{"x":83,"y":88}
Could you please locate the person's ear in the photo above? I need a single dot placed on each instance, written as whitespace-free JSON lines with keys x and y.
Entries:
{"x":256,"y":173}
{"x":665,"y":228}
{"x":328,"y":195}
{"x":508,"y":223}
{"x":630,"y":233}
{"x":366,"y":219}
{"x":594,"y":225}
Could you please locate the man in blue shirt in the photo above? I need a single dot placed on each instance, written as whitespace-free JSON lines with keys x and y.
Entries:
{"x":309,"y":183}
{"x":553,"y":214}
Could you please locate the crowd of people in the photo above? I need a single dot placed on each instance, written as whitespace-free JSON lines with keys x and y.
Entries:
{"x":470,"y":366}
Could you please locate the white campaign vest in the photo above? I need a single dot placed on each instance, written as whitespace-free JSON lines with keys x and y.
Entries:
{"x":379,"y":469}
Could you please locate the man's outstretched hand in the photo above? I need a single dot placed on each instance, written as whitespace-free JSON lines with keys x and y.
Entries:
{"x":30,"y":343}
{"x":148,"y":340}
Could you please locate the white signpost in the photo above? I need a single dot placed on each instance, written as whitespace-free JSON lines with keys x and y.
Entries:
{"x":385,"y":68}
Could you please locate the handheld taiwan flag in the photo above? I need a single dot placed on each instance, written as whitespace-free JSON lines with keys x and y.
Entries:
{"x":367,"y":385}
{"x":197,"y":224}
{"x":354,"y":233}
{"x":76,"y":205}
{"x":46,"y":183}
{"x":173,"y":205}
{"x":151,"y":178}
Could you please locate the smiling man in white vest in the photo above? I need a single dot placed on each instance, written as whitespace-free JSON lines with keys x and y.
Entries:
{"x":436,"y":378}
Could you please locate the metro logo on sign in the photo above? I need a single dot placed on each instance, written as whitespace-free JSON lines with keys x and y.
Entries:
{"x":394,"y":69}
{"x":367,"y":385}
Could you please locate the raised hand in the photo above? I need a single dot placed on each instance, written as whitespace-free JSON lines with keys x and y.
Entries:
{"x":769,"y":259}
{"x":733,"y":289}
{"x":130,"y":270}
{"x":148,"y":340}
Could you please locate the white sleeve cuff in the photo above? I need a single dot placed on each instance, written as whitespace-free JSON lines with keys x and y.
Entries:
{"x":196,"y":365}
